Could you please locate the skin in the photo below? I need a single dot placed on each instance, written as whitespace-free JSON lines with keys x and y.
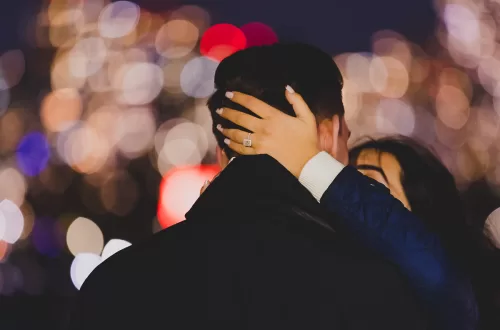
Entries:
{"x":277,"y":129}
{"x":384,"y":168}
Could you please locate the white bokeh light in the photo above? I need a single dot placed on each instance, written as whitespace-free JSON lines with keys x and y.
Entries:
{"x":3,"y":226}
{"x":114,"y":246}
{"x":197,"y":77}
{"x":87,"y":57}
{"x":13,"y":220}
{"x":118,"y":19}
{"x":139,"y":83}
{"x":395,"y":116}
{"x":135,"y":131}
{"x":82,"y":266}
{"x":184,"y":144}
{"x":461,"y":23}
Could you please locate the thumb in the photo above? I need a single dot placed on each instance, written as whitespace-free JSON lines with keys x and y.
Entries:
{"x":300,"y":107}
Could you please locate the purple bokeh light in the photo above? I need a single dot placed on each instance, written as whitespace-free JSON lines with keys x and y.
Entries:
{"x":47,"y":237}
{"x":33,"y":153}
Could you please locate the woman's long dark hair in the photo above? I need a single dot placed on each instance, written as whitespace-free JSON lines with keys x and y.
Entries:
{"x":431,"y":192}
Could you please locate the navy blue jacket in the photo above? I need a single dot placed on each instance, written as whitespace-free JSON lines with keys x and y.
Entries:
{"x":366,"y":209}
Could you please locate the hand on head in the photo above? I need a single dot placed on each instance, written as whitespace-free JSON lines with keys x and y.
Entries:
{"x":292,"y":141}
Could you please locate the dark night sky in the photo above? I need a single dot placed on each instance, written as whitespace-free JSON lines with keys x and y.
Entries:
{"x":334,"y":25}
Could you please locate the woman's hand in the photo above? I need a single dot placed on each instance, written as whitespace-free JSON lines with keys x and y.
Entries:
{"x":292,"y":141}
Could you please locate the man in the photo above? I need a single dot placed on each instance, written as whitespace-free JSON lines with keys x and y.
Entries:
{"x":255,"y":251}
{"x":362,"y":207}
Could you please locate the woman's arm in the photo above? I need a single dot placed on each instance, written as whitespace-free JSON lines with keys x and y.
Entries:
{"x":381,"y":223}
{"x":368,"y":210}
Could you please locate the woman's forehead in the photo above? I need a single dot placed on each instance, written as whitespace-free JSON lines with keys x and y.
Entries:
{"x":378,"y":158}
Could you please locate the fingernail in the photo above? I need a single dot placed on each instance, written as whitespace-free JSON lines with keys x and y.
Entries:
{"x":226,"y":141}
{"x":229,"y":95}
{"x":289,"y":89}
{"x":219,"y":111}
{"x":207,"y":182}
{"x":219,"y":127}
{"x":231,"y":159}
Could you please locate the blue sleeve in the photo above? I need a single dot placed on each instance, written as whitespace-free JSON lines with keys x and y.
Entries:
{"x":367,"y":210}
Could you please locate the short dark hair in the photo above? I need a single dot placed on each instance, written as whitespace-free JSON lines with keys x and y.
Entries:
{"x":264,"y":72}
{"x":431,"y":191}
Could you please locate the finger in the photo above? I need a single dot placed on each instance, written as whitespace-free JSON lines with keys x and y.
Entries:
{"x":260,"y":108}
{"x":205,"y":186}
{"x":300,"y":106}
{"x":239,"y":148}
{"x":242,"y":119}
{"x":236,"y":135}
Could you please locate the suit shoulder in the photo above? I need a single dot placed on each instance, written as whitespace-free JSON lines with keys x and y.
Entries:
{"x":127,"y":263}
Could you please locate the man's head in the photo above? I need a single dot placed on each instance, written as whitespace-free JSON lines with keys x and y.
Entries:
{"x":263,"y":72}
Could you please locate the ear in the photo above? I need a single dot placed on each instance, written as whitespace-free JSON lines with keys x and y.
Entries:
{"x":328,"y":131}
{"x":222,"y":159}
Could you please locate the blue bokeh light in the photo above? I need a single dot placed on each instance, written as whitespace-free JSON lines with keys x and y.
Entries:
{"x":33,"y":153}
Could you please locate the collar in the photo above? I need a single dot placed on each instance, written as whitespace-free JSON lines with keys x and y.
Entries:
{"x":256,"y":182}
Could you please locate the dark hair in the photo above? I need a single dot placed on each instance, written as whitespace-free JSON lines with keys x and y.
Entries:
{"x":431,"y":192}
{"x":264,"y":72}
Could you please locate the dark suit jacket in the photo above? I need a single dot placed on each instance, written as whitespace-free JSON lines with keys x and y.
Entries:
{"x":253,"y":253}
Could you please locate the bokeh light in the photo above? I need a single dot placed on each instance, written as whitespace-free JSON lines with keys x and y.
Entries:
{"x":84,"y":236}
{"x":13,"y":221}
{"x":176,"y":38}
{"x":61,"y":109}
{"x":87,"y":57}
{"x":492,"y":227}
{"x":179,"y":190}
{"x":258,"y":34}
{"x":33,"y":153}
{"x":12,"y":185}
{"x":222,"y":40}
{"x":197,"y":77}
{"x":47,"y":236}
{"x":82,"y":266}
{"x":135,"y":129}
{"x":139,"y":83}
{"x":118,"y":19}
{"x":110,"y":97}
{"x":12,"y":66}
{"x":114,"y":246}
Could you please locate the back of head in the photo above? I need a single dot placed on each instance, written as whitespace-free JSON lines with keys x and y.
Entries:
{"x":429,"y":187}
{"x":264,"y":72}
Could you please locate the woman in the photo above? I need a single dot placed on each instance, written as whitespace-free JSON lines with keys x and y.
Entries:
{"x":381,"y":223}
{"x":417,"y":178}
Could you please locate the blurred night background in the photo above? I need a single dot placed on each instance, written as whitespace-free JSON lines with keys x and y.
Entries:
{"x":105,"y":137}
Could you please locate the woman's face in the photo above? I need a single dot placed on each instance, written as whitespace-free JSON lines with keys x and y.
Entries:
{"x":384,"y":168}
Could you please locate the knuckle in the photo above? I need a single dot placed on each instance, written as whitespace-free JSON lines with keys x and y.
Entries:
{"x":266,"y":130}
{"x":230,"y":134}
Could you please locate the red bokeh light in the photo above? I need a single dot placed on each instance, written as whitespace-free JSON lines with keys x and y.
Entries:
{"x":179,"y":190}
{"x":259,"y":34}
{"x":222,"y":40}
